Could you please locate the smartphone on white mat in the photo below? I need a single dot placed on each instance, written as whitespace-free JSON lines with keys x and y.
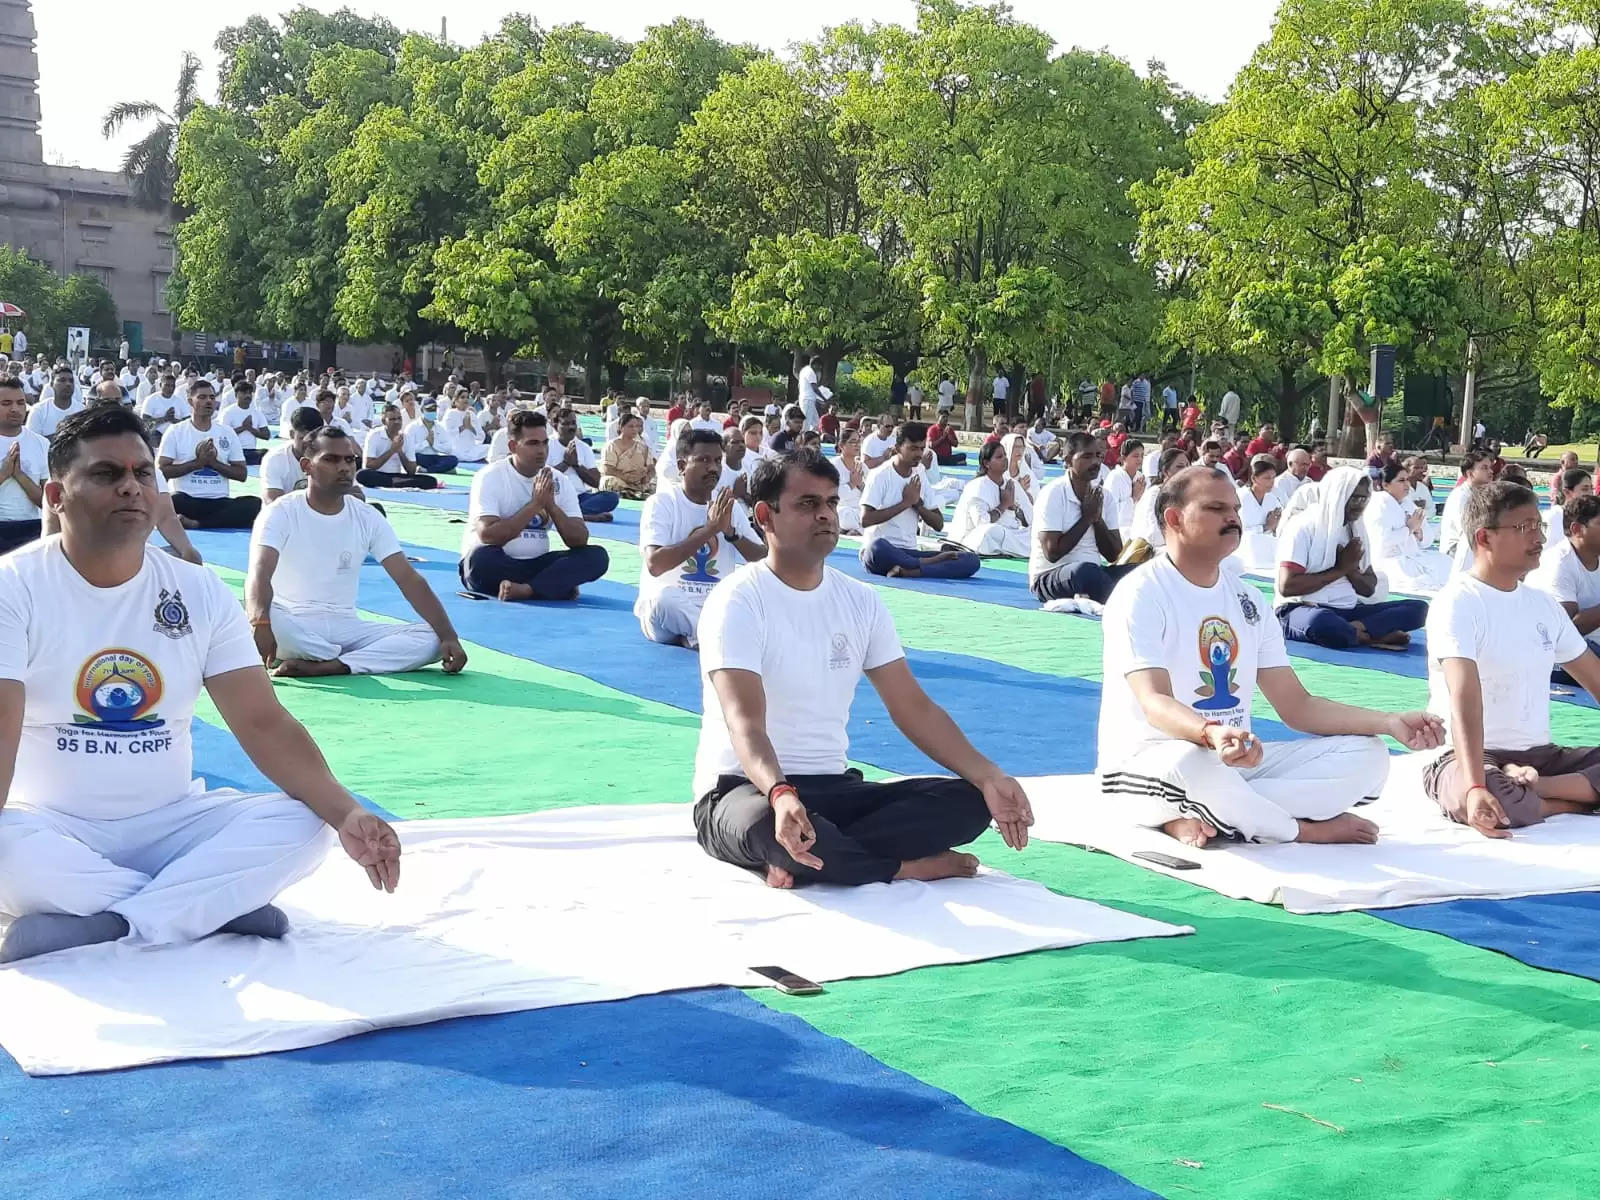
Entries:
{"x":788,"y":982}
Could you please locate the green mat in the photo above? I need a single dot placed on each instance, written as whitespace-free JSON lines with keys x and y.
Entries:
{"x":1270,"y":1057}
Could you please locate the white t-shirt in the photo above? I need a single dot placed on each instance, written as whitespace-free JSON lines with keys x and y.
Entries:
{"x":1057,"y":511}
{"x":1146,"y":521}
{"x":320,"y":557}
{"x":1211,"y":642}
{"x":1041,"y":438}
{"x":1119,"y":499}
{"x":499,"y":491}
{"x":32,"y":461}
{"x":280,"y":469}
{"x":1554,"y":518}
{"x":155,"y":407}
{"x":207,"y":483}
{"x":235,"y":416}
{"x":500,"y":446}
{"x":586,"y":459}
{"x":1002,"y":387}
{"x":1230,"y":407}
{"x":1286,"y":486}
{"x":1254,"y":513}
{"x":44,"y":416}
{"x":669,"y":516}
{"x":1516,"y":638}
{"x":873,"y":446}
{"x":947,"y":394}
{"x":884,"y":488}
{"x":810,"y":649}
{"x":1561,"y":574}
{"x":1455,"y":505}
{"x":711,"y":424}
{"x":462,"y":441}
{"x":378,"y":442}
{"x":110,"y":677}
{"x":1295,"y":547}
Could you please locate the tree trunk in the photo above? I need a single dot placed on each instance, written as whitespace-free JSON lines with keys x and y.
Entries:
{"x":594,"y":363}
{"x":327,"y":354}
{"x":1014,"y":393}
{"x":976,"y":377}
{"x":791,"y":388}
{"x":1349,"y":441}
{"x":617,"y":375}
{"x":699,"y":382}
{"x":1288,"y":404}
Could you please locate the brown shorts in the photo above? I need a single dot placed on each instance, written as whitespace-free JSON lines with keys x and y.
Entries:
{"x":1446,"y":785}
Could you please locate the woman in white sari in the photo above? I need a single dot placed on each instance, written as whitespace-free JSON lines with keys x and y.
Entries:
{"x":994,"y":515}
{"x":1023,"y":467}
{"x":852,"y":479}
{"x":1146,"y":520}
{"x":1259,"y":513}
{"x":1394,"y":538}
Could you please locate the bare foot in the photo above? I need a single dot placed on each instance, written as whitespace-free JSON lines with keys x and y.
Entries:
{"x":1345,"y":828}
{"x":309,"y":668}
{"x":1398,"y":640}
{"x":1518,"y":773}
{"x":904,"y":572}
{"x":515,"y":591}
{"x":777,"y":877}
{"x":951,"y":864}
{"x":944,"y":556}
{"x":1191,"y":831}
{"x":188,"y":522}
{"x":600,"y":517}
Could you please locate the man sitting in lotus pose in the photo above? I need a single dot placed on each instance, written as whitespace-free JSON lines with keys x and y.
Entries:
{"x":305,"y":565}
{"x":105,"y":643}
{"x":686,"y":528}
{"x":783,"y":643}
{"x":1492,"y":644}
{"x":1187,"y":642}
{"x":514,"y":506}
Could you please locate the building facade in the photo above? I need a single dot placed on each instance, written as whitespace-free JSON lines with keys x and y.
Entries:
{"x":77,"y":221}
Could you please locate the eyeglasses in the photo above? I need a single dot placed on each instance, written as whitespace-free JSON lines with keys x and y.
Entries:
{"x":1522,"y":527}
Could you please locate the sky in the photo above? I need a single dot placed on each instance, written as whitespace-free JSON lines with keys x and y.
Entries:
{"x":1202,"y":44}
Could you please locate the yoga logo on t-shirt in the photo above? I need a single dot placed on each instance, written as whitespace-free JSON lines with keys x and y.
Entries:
{"x":1219,"y":650}
{"x":700,"y":572}
{"x":839,"y":653}
{"x":118,"y":690}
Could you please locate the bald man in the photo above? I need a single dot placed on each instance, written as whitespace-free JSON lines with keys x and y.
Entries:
{"x":1297,"y":467}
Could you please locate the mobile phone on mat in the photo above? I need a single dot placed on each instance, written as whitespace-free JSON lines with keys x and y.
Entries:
{"x":474,"y":596}
{"x":1165,"y":860}
{"x":788,"y":982}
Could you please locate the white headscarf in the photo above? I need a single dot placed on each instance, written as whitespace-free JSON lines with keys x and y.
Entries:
{"x":1321,"y":506}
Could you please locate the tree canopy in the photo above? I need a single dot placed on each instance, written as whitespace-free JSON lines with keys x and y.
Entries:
{"x":959,"y":192}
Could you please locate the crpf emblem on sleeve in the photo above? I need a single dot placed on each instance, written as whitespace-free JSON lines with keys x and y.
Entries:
{"x":1248,"y":604}
{"x":172,"y":615}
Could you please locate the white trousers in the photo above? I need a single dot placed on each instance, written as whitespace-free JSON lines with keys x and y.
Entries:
{"x":1313,"y":779}
{"x":366,"y":647}
{"x":992,"y":538}
{"x":176,"y":873}
{"x":671,"y":615}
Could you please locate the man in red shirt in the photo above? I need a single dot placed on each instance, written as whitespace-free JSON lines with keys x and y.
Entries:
{"x":677,"y":411}
{"x":1320,"y":465}
{"x":828,"y":423}
{"x":1108,"y":398}
{"x":1262,"y":443}
{"x":1000,"y":430}
{"x":942,"y":441}
{"x":735,"y":414}
{"x":1114,"y":441}
{"x":1234,"y":458}
{"x":1191,"y":416}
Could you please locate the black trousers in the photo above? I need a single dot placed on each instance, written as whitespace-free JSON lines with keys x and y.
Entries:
{"x":18,"y":533}
{"x":395,"y":479}
{"x":253,"y":457}
{"x":553,"y":576}
{"x":864,"y":830}
{"x":236,"y":512}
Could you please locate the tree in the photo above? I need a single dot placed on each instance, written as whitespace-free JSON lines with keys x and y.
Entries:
{"x":151,"y":163}
{"x":1006,"y":171}
{"x":1322,"y":150}
{"x":52,"y":302}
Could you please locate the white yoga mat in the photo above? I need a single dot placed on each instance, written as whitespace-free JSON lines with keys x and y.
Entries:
{"x":1421,"y":856}
{"x":501,"y":915}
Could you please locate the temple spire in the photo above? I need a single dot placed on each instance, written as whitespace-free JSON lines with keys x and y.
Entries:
{"x":20,"y":143}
